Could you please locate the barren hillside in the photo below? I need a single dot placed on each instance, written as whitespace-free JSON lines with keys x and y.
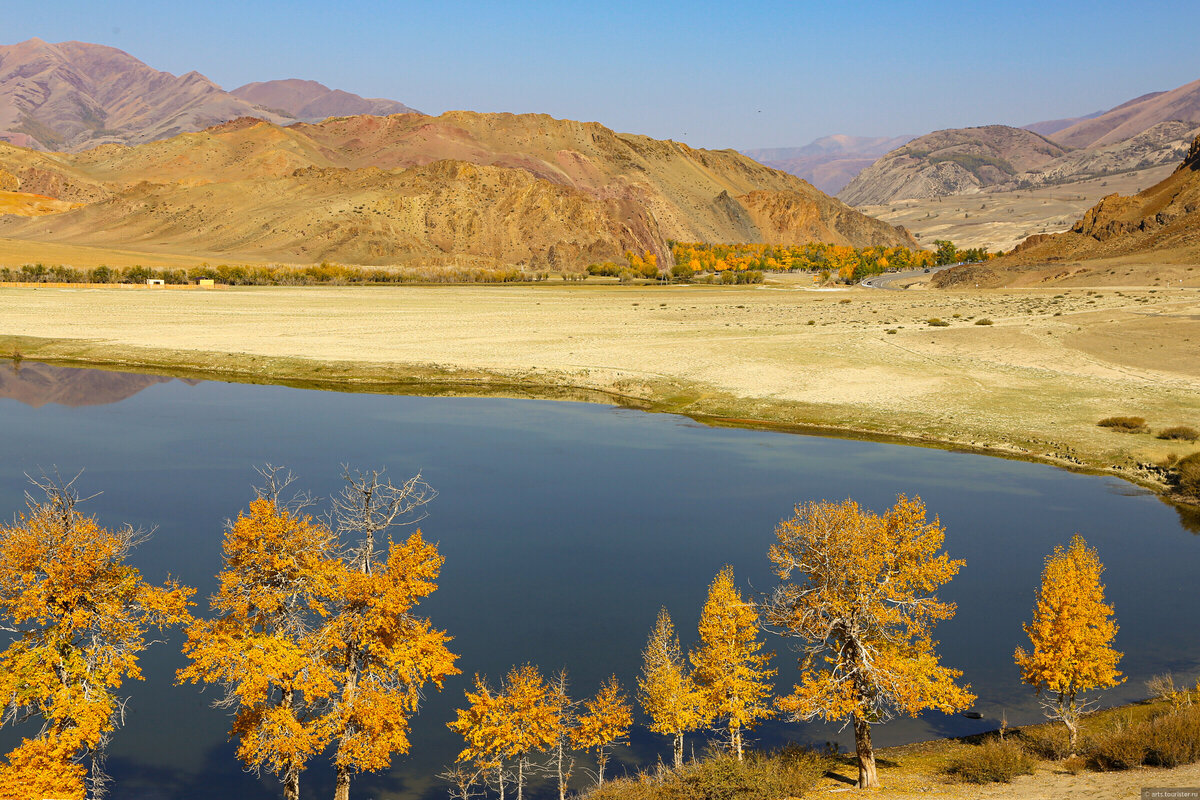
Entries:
{"x":1133,"y":117}
{"x":310,"y":101}
{"x":487,"y":188}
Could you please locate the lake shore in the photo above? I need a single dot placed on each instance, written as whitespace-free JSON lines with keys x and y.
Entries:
{"x":1017,"y":373}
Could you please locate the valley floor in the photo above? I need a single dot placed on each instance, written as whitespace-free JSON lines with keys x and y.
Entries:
{"x":858,"y":362}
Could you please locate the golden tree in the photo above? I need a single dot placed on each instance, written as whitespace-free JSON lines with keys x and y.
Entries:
{"x":483,"y":726}
{"x":731,"y":672}
{"x":524,"y":718}
{"x":380,"y":653}
{"x":666,"y":690}
{"x":77,"y":615}
{"x":267,"y":644}
{"x":1071,"y":633}
{"x":605,"y":721}
{"x":862,"y":602}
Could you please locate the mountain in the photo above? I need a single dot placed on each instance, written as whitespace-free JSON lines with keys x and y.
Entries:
{"x":1133,"y":117}
{"x":1157,"y":226}
{"x":955,"y":161}
{"x":310,"y":101}
{"x":464,"y":188}
{"x":829,"y":163}
{"x":73,"y":96}
{"x":1052,"y":126}
{"x":1161,"y":144}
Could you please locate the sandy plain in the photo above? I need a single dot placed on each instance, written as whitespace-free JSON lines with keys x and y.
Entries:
{"x":855,"y":362}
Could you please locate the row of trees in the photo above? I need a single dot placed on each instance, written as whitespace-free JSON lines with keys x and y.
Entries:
{"x":323,"y":274}
{"x":315,"y":641}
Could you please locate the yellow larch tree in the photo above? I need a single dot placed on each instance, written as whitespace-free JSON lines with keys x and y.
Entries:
{"x":380,"y":652}
{"x":1071,"y":634}
{"x":524,"y":718}
{"x":858,"y":592}
{"x":604,"y":722}
{"x":730,"y":670}
{"x":267,"y":644}
{"x":483,"y":726}
{"x":666,"y":690}
{"x":77,"y":616}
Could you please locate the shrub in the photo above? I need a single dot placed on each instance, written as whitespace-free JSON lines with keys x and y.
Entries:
{"x":983,"y":321}
{"x":1184,"y":432}
{"x":762,"y":776}
{"x":1174,"y":739}
{"x":1124,"y":424}
{"x":1188,"y":470}
{"x":1051,"y":743}
{"x":1121,"y":746}
{"x":934,"y":322}
{"x":993,"y":761}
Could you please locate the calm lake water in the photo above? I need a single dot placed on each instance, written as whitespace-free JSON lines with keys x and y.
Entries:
{"x":565,"y":527}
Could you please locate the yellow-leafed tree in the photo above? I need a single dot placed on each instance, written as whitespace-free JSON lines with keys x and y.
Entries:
{"x":77,"y":615}
{"x":267,"y":645}
{"x":380,"y":652}
{"x":667,"y":692}
{"x":604,"y":722}
{"x":1071,"y":633}
{"x":858,"y":592}
{"x":729,"y":668}
{"x":524,"y":718}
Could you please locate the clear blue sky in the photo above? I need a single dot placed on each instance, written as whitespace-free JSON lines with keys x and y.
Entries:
{"x":750,"y":74}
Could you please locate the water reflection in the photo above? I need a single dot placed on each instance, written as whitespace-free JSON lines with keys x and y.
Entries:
{"x":36,"y":384}
{"x":565,"y":527}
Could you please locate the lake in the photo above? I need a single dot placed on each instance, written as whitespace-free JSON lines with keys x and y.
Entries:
{"x":565,"y":527}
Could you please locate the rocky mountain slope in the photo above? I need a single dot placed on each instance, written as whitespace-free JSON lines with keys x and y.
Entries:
{"x":309,"y":101}
{"x":72,"y":96}
{"x":831,"y":162}
{"x":955,"y":161}
{"x":1133,"y":117}
{"x":1156,"y":226}
{"x":497,"y":189}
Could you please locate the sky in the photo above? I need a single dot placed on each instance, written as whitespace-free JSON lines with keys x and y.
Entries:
{"x":741,"y":75}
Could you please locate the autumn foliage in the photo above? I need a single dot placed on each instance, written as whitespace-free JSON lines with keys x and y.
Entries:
{"x":78,"y":616}
{"x":730,"y":668}
{"x":667,"y":691}
{"x":1071,"y":635}
{"x":604,"y":722}
{"x":858,"y":593}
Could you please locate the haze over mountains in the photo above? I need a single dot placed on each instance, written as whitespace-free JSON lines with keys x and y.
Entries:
{"x":829,"y":163}
{"x":72,"y":96}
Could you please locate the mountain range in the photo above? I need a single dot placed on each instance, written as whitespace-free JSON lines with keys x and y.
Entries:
{"x":829,"y":163}
{"x":72,"y":96}
{"x":1144,"y":133}
{"x":461,"y":188}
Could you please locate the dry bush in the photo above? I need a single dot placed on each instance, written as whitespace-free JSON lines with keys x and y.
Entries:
{"x":1188,"y":470}
{"x":1124,"y":424}
{"x":1162,"y":686}
{"x":993,"y":761}
{"x":1075,"y":764}
{"x":983,"y":321}
{"x":1049,"y":742}
{"x":935,"y":322}
{"x":1174,"y":739}
{"x":762,"y":776}
{"x":1183,"y":432}
{"x":1118,"y":747}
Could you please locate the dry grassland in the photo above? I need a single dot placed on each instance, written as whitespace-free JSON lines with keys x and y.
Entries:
{"x":1032,"y":385}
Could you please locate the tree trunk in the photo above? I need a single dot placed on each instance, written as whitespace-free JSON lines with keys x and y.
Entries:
{"x":562,"y":784}
{"x":867,"y":777}
{"x":735,"y":731}
{"x":291,"y":784}
{"x":1072,"y":735}
{"x":678,"y":750}
{"x":500,"y":779}
{"x":521,"y":778}
{"x":601,"y":759}
{"x":341,"y":789}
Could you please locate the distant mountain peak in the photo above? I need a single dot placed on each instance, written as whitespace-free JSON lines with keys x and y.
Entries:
{"x":311,"y":101}
{"x":73,"y":96}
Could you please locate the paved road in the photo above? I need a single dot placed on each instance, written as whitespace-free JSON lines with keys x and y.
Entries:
{"x":888,"y":279}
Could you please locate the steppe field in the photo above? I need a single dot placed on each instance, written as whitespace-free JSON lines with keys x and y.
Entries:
{"x":1032,"y":384}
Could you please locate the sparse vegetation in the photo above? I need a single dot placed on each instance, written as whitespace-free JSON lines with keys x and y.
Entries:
{"x":761,"y":776}
{"x":1188,"y":471}
{"x":992,"y":761}
{"x":983,"y":321}
{"x":1183,"y":432}
{"x":1124,"y":424}
{"x":936,"y":322}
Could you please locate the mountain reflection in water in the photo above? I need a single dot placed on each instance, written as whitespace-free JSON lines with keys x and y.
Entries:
{"x":36,"y":384}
